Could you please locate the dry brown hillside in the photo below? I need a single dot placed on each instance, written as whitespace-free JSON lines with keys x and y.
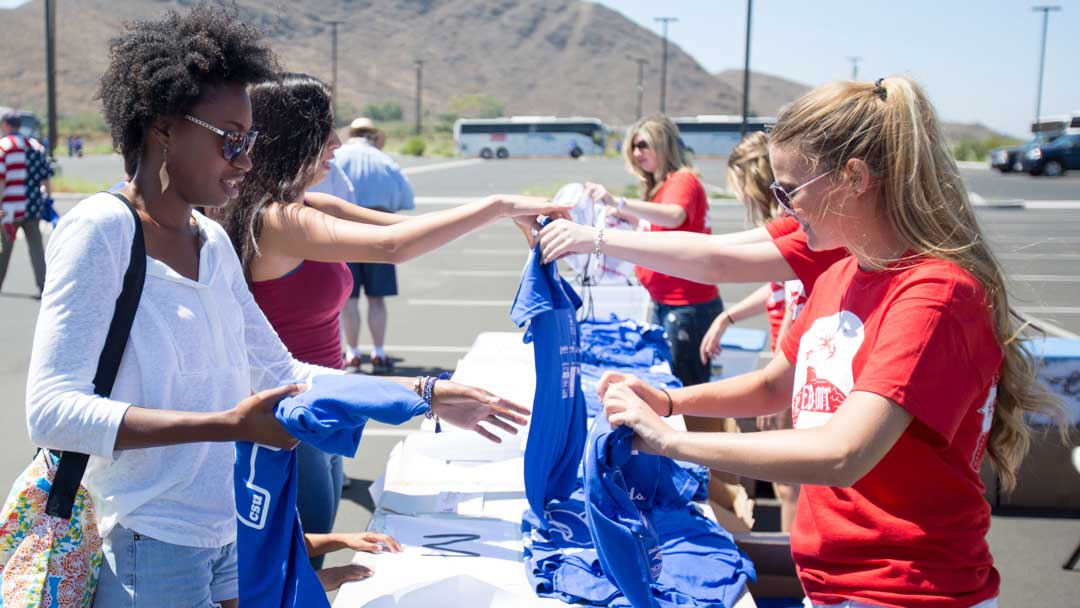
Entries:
{"x":561,"y":57}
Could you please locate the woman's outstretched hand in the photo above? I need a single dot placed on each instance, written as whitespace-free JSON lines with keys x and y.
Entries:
{"x":526,"y":211}
{"x":475,"y":409}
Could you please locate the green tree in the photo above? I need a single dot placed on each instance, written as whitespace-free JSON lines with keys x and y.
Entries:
{"x":383,"y":111}
{"x":477,"y":105}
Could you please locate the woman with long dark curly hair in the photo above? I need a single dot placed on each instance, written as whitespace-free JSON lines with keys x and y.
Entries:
{"x":293,"y":246}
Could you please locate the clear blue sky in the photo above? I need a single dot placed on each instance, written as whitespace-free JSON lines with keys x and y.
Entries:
{"x":979,"y":60}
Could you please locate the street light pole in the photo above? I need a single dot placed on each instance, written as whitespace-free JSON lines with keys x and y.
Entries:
{"x":663,"y":63}
{"x":1046,"y":10}
{"x":333,"y":61}
{"x":746,"y":71}
{"x":640,"y":81}
{"x":50,"y":71}
{"x":419,"y":79}
{"x":854,"y":67}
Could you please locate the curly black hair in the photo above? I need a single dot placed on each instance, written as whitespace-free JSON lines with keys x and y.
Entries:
{"x":164,"y":67}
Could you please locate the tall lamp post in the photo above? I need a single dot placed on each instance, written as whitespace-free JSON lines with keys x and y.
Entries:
{"x":663,"y":63}
{"x":640,"y":81}
{"x":746,"y":71}
{"x":1046,"y":10}
{"x":854,"y":66}
{"x":419,"y":80}
{"x":333,"y":61}
{"x":50,"y":70}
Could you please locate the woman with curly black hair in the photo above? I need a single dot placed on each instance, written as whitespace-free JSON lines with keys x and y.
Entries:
{"x":293,"y":245}
{"x":160,"y":445}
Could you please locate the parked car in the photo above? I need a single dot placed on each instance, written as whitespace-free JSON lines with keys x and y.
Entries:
{"x":1007,"y":159}
{"x":1054,"y":158}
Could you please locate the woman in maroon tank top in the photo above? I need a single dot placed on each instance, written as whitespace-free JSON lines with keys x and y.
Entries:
{"x":293,"y":248}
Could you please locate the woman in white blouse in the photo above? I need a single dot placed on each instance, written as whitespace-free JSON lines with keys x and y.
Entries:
{"x":175,"y":98}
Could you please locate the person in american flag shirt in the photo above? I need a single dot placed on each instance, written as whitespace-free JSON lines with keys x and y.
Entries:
{"x":16,"y":182}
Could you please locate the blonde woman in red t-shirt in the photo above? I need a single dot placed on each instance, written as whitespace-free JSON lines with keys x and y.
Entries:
{"x":673,"y":199}
{"x":903,"y":370}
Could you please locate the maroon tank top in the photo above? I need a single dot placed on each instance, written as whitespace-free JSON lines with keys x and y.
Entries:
{"x":304,"y":306}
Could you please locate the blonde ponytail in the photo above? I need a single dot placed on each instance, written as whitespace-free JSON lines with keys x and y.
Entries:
{"x":749,"y":175}
{"x":893,"y":128}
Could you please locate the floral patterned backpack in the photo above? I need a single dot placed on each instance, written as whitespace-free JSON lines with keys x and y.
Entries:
{"x":50,"y":549}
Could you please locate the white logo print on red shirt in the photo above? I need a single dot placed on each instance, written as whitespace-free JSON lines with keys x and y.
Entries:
{"x":823,"y":374}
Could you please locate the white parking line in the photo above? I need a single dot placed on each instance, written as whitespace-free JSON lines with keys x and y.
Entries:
{"x":486,"y":274}
{"x":453,"y":164}
{"x":459,"y":303}
{"x":1049,"y":310}
{"x":516,"y":252}
{"x":1015,"y":257}
{"x":1045,"y":278}
{"x":1052,"y":205}
{"x":413,"y":348}
{"x":444,"y":201}
{"x":1048,"y":327}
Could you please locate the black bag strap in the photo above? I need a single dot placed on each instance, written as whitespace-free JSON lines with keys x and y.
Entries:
{"x":69,"y":472}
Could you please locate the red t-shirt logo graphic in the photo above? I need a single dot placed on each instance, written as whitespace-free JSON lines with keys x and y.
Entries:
{"x":817,"y":395}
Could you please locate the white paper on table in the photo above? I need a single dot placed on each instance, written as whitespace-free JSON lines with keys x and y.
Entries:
{"x":454,"y":462}
{"x":461,"y":562}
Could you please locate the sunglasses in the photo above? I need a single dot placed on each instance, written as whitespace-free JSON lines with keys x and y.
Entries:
{"x":784,"y":197}
{"x":641,"y":145}
{"x":236,"y":142}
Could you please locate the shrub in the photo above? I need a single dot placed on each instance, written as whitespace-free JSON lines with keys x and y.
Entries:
{"x":414,"y":146}
{"x":382,"y":111}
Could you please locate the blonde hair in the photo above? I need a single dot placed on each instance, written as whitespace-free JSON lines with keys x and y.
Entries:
{"x":663,"y":138}
{"x":749,"y":174}
{"x":892,"y":127}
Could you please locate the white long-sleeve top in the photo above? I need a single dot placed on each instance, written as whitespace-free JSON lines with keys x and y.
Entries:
{"x":199,"y":346}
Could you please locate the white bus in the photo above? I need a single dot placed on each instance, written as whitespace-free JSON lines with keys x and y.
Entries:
{"x":716,"y":135}
{"x":520,"y":136}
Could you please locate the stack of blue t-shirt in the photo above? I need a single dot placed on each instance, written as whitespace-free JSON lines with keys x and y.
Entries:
{"x":273,"y":563}
{"x":557,"y":428}
{"x":623,"y":343}
{"x":652,"y":543}
{"x":625,"y":518}
{"x":591,"y":374}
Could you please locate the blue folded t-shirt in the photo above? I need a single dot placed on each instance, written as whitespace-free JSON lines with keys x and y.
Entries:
{"x":273,"y":562}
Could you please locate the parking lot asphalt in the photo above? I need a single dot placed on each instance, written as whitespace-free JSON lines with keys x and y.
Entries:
{"x":447,"y":298}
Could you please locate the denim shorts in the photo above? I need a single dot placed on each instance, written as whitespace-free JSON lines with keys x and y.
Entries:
{"x":685,"y":327}
{"x":139,"y":571}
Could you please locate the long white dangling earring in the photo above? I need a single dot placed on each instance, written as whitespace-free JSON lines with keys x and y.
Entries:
{"x":163,"y":174}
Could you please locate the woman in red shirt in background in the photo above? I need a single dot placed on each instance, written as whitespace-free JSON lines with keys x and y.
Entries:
{"x":902,"y":371}
{"x":674,"y":201}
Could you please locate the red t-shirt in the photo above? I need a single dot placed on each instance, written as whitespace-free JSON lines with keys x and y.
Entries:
{"x":782,"y":226}
{"x":912,"y":531}
{"x":304,"y":307}
{"x":681,"y":188}
{"x":774,"y":309}
{"x":807,"y":264}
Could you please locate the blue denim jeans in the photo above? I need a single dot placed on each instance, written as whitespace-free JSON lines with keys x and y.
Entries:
{"x":685,"y":327}
{"x":143,"y":572}
{"x":318,"y":491}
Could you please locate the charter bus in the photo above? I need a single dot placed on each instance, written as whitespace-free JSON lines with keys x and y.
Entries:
{"x":523,"y":136}
{"x":716,"y":135}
